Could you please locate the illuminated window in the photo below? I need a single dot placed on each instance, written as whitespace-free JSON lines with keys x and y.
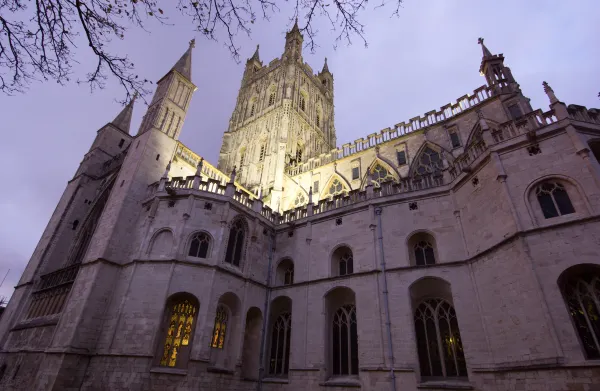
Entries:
{"x":180,"y":319}
{"x":345,"y":341}
{"x":235,"y":244}
{"x":199,"y":245}
{"x":554,"y":200}
{"x":438,"y":340}
{"x":220,"y":328}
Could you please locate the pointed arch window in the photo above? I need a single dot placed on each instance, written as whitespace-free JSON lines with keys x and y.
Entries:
{"x":235,"y":244}
{"x":342,"y":261}
{"x":345,"y":341}
{"x":299,"y":151}
{"x":302,"y":102}
{"x":381,"y":174}
{"x":424,"y":254}
{"x":336,"y":187}
{"x":272,"y":97}
{"x":430,"y":161}
{"x":554,"y":199}
{"x":300,"y":199}
{"x":199,"y":245}
{"x":279,"y":359}
{"x":438,"y":340}
{"x":219,"y":328}
{"x":261,"y":155}
{"x":180,"y":319}
{"x":582,"y":295}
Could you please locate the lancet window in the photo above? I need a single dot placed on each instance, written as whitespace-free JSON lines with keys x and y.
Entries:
{"x":181,"y":316}
{"x":219,"y":328}
{"x":279,"y":358}
{"x":345,"y":341}
{"x":235,"y":244}
{"x":424,"y":254}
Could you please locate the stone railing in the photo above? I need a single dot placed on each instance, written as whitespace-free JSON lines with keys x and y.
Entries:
{"x":51,"y":292}
{"x":431,"y":118}
{"x":530,"y":121}
{"x":463,"y":161}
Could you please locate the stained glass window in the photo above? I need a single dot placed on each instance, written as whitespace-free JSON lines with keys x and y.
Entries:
{"x":235,"y":244}
{"x":429,"y":161}
{"x":554,"y":200}
{"x":199,"y":245}
{"x":218,"y":335}
{"x":438,"y":340}
{"x":181,"y":319}
{"x":279,"y":359}
{"x":336,"y":187}
{"x":380,"y":174}
{"x":424,"y":254}
{"x":583,"y":302}
{"x":345,"y":341}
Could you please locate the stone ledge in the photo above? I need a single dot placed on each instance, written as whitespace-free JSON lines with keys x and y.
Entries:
{"x":50,"y":320}
{"x":169,"y":371}
{"x":276,"y":380}
{"x":220,"y":370}
{"x":445,"y":385}
{"x":342,"y":382}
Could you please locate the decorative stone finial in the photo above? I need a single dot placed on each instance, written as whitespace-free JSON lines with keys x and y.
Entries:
{"x":480,"y":41}
{"x":199,"y":167}
{"x":166,"y":174}
{"x":310,"y":195}
{"x":550,"y":92}
{"x":486,"y":52}
{"x":193,"y":43}
{"x":232,"y":176}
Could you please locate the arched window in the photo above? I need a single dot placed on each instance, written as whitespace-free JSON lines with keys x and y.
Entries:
{"x":342,"y":261}
{"x":335,"y":187}
{"x":235,"y":244}
{"x":180,"y":319}
{"x":162,"y":244}
{"x":285,"y":272}
{"x":380,"y":173}
{"x":272,"y":97}
{"x":280,"y":345}
{"x":199,"y":245}
{"x":219,"y":328}
{"x":580,"y":286}
{"x":422,"y":250}
{"x":302,"y":103}
{"x":345,"y":341}
{"x":280,"y":337}
{"x":428,"y":162}
{"x":438,"y":340}
{"x":553,"y":199}
{"x":300,"y":199}
{"x":251,"y":347}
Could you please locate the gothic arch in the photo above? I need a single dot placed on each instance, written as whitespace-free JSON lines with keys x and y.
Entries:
{"x":373,"y":169}
{"x":574,"y":190}
{"x":192,"y":236}
{"x":161,"y":243}
{"x":427,"y":148}
{"x":233,"y":255}
{"x":476,"y":133}
{"x":343,"y":181}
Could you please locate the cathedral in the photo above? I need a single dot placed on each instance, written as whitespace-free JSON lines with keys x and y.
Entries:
{"x":457,"y":250}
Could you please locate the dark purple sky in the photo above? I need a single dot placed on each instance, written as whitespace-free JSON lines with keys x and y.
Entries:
{"x":415,"y":63}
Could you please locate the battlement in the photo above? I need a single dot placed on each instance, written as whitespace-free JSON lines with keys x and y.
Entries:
{"x":434,"y":117}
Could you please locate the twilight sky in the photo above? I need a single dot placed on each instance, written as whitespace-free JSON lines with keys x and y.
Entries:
{"x":418,"y":62}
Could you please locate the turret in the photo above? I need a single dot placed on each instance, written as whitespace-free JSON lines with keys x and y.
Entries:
{"x":171,"y":100}
{"x":498,"y":76}
{"x":253,"y":65}
{"x":293,"y":44}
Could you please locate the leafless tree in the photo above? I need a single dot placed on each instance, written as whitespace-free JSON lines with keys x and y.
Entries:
{"x":39,"y":38}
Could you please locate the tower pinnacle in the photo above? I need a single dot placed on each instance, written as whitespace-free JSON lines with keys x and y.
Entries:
{"x":123,"y":119}
{"x":256,"y":56}
{"x":184,"y":65}
{"x":486,"y":52}
{"x":325,"y":67}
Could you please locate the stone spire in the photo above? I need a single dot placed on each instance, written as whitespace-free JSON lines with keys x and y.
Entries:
{"x":550,"y":92}
{"x":325,"y":67}
{"x":255,"y":56}
{"x":486,"y":52}
{"x":184,"y":65}
{"x":295,"y":29}
{"x":123,"y":119}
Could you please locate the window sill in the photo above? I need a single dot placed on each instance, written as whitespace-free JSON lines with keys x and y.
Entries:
{"x":445,"y":385}
{"x":220,"y":370}
{"x":49,"y":320}
{"x":276,"y":380}
{"x":169,"y":371}
{"x":342,"y":382}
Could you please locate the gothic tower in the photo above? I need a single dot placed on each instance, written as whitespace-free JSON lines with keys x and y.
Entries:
{"x":282,"y":118}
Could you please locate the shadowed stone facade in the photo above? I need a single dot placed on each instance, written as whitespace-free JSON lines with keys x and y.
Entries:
{"x":457,"y":250}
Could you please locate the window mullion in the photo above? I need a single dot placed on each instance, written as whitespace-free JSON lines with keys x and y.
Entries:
{"x":453,"y":344}
{"x":439,"y":339}
{"x":585,"y":314}
{"x":427,"y":346}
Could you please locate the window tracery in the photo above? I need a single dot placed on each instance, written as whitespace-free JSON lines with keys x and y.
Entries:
{"x":199,"y":245}
{"x":300,"y":199}
{"x":554,"y":199}
{"x":582,"y":295}
{"x":279,"y":359}
{"x":424,"y":254}
{"x":235,"y":243}
{"x":272,"y":97}
{"x":346,"y":263}
{"x":430,"y":161}
{"x":288,"y":276}
{"x":439,"y":343}
{"x":181,"y":318}
{"x":336,"y":187}
{"x":345,"y":341}
{"x":220,"y":328}
{"x":380,"y":174}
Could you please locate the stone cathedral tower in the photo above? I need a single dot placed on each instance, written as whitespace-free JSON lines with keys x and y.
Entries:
{"x":283,"y":117}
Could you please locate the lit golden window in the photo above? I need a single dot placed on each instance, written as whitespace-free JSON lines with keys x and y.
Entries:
{"x":176,"y":347}
{"x":220,"y":328}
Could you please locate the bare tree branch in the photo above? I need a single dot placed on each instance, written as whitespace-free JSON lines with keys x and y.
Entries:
{"x":38,"y":39}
